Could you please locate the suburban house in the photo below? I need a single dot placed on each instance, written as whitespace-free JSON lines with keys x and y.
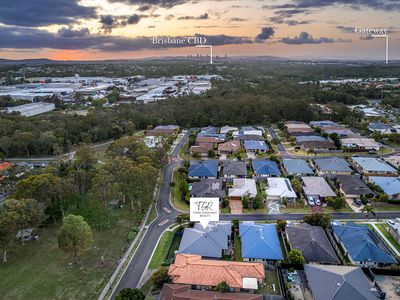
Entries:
{"x":207,"y":188}
{"x":185,"y":292}
{"x":340,"y":131}
{"x":234,"y":169}
{"x":332,"y":166}
{"x":249,"y":130}
{"x":372,"y":166}
{"x":212,"y":242}
{"x":296,"y":167}
{"x":208,"y":130}
{"x":230,"y":147}
{"x":265,"y":168}
{"x":389,"y":185}
{"x":201,"y":148}
{"x":260,"y":242}
{"x":361,"y":245}
{"x":317,"y":145}
{"x":163,"y":130}
{"x":255,"y":146}
{"x":317,"y":188}
{"x":206,"y":274}
{"x":340,"y":283}
{"x":209,"y":139}
{"x":203,"y":169}
{"x":280,"y":188}
{"x":226,"y":129}
{"x":360,"y":144}
{"x":294,"y":126}
{"x":353,"y":188}
{"x":312,"y":242}
{"x":242,"y":187}
{"x":393,"y":160}
{"x":325,"y":123}
{"x":309,"y":138}
{"x":381,"y":128}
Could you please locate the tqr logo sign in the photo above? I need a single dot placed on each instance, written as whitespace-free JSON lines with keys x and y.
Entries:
{"x":204,"y":210}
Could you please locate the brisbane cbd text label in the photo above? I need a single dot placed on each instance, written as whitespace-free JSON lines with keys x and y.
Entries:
{"x":189,"y":40}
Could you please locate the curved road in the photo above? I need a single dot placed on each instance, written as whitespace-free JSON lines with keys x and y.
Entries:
{"x":137,"y":266}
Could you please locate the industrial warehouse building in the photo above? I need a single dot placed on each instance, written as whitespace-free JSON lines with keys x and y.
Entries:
{"x":31,"y":109}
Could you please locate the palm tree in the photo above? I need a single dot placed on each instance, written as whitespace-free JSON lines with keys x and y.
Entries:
{"x":368,"y":209}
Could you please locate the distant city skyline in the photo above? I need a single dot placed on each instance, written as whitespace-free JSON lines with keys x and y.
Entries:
{"x":124,"y":29}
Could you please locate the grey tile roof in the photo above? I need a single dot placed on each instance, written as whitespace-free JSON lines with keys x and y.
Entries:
{"x":237,"y":168}
{"x":338,"y":283}
{"x":297,"y":166}
{"x":333,"y":164}
{"x":312,"y":242}
{"x":372,"y":164}
{"x":208,"y":242}
{"x":207,"y":188}
{"x":353,"y":185}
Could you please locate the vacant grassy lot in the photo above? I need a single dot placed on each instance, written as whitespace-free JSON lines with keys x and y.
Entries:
{"x":39,"y":270}
{"x":382,"y":228}
{"x":176,"y":194}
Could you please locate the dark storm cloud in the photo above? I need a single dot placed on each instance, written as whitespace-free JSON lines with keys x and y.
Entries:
{"x":134,"y":19}
{"x":201,"y":17}
{"x":109,"y":22}
{"x":143,"y":8}
{"x":284,"y":16}
{"x":29,"y":38}
{"x":265,"y":34}
{"x":386,"y":5}
{"x":346,"y":29}
{"x":306,"y":38}
{"x":32,"y":13}
{"x":71,"y":33}
{"x":161,"y":3}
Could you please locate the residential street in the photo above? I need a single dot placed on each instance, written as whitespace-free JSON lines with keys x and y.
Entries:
{"x":138,"y":263}
{"x":134,"y":272}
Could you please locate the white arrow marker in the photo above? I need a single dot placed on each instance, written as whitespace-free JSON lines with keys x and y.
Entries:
{"x":387,"y":44}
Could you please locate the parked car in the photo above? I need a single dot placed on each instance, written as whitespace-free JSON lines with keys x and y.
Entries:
{"x":358,"y":202}
{"x":391,"y":223}
{"x":311,"y":201}
{"x":318,"y":202}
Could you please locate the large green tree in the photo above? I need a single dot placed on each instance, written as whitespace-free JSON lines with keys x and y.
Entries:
{"x":130,"y":294}
{"x":75,"y":236}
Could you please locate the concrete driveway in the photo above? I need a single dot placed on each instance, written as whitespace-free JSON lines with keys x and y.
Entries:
{"x":236,"y":206}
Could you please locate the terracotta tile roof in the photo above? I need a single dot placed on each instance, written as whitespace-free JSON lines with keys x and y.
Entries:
{"x":233,"y":146}
{"x":192,"y":269}
{"x":208,"y":139}
{"x":5,"y":165}
{"x":201,"y":147}
{"x":184,"y":292}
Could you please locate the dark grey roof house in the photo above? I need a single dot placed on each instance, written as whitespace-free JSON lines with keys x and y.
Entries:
{"x":312,"y":242}
{"x":207,"y":188}
{"x":353,"y":187}
{"x":339,"y":283}
{"x":234,"y":169}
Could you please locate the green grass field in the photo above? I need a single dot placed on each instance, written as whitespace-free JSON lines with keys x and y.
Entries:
{"x":161,"y":251}
{"x":176,"y":195}
{"x":39,"y":270}
{"x":382,"y":228}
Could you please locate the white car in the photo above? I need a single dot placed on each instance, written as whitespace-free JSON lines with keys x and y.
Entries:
{"x":318,"y":202}
{"x":391,"y":223}
{"x":311,"y":201}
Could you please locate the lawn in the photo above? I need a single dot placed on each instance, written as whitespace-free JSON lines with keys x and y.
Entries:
{"x":387,"y":207}
{"x":271,"y":278}
{"x":161,"y":251}
{"x":382,"y":228}
{"x":238,"y":248}
{"x":39,"y":270}
{"x":176,"y":194}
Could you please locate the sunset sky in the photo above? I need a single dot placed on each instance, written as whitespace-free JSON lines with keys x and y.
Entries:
{"x":123,"y":29}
